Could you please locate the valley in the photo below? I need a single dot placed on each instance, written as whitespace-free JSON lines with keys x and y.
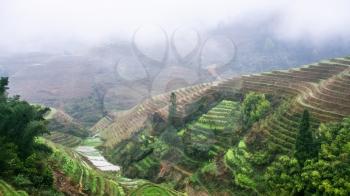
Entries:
{"x":216,"y":138}
{"x":174,"y":98}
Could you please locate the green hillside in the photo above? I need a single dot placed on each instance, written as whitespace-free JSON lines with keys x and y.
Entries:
{"x":274,"y":133}
{"x":245,"y":128}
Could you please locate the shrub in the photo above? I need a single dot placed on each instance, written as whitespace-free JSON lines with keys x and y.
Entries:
{"x":209,"y":168}
{"x":254,"y":107}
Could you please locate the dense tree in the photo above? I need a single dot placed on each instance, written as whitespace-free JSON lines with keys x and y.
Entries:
{"x":99,"y":92}
{"x":330,"y":173}
{"x":254,"y":107}
{"x":305,"y":146}
{"x":20,"y":125}
{"x":283,"y":176}
{"x":172,"y":109}
{"x":325,"y":174}
{"x":3,"y":85}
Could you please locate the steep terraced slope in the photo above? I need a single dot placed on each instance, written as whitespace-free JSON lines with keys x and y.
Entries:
{"x":294,"y":81}
{"x":129,"y":122}
{"x":101,"y":124}
{"x":214,"y":128}
{"x":321,"y":88}
{"x":329,"y":100}
{"x":83,"y":177}
{"x":177,"y":155}
{"x":62,"y":122}
{"x":63,"y":138}
{"x":64,"y":129}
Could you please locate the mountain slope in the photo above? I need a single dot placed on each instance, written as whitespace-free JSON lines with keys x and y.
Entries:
{"x":309,"y":84}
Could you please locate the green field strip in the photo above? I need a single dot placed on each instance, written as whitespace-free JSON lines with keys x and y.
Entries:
{"x":216,"y":112}
{"x":281,"y":143}
{"x":290,"y":134}
{"x":195,"y":129}
{"x":280,"y":148}
{"x":282,"y":136}
{"x":212,"y":116}
{"x":209,"y":127}
{"x":7,"y":190}
{"x":153,"y":190}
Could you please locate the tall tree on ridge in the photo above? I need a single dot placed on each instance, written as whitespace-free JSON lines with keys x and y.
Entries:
{"x":172,"y":108}
{"x":305,"y":146}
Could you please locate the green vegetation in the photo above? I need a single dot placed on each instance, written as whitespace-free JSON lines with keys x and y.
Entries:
{"x":212,"y":132}
{"x":39,"y":167}
{"x":283,"y":176}
{"x":172,"y":108}
{"x":85,"y":110}
{"x":8,"y":190}
{"x":151,"y":190}
{"x":209,"y":168}
{"x":66,"y":128}
{"x":326,"y":174}
{"x":188,"y":151}
{"x":254,"y":107}
{"x":23,"y":161}
{"x":267,"y":144}
{"x":81,"y":174}
{"x":305,"y":146}
{"x":95,"y":142}
{"x":64,"y":138}
{"x":63,"y":123}
{"x":237,"y":160}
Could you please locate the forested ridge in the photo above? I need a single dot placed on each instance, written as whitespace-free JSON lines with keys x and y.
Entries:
{"x":23,"y":161}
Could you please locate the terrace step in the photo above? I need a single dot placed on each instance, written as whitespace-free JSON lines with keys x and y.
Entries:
{"x":322,"y":115}
{"x":279,"y":134}
{"x":291,"y":134}
{"x":341,"y":60}
{"x":287,"y":146}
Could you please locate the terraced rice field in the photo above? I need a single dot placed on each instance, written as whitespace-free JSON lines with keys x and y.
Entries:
{"x":282,"y":129}
{"x":101,"y":124}
{"x":153,"y":190}
{"x":321,"y":88}
{"x":145,"y":163}
{"x":81,"y":173}
{"x":7,"y":190}
{"x":215,"y":127}
{"x":290,"y":82}
{"x":129,"y":122}
{"x":88,"y":150}
{"x":64,"y":139}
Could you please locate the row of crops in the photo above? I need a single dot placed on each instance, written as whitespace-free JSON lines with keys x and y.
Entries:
{"x":133,"y":120}
{"x":88,"y":179}
{"x":153,"y":190}
{"x":325,"y":97}
{"x":215,"y":128}
{"x":64,"y":138}
{"x":7,"y":190}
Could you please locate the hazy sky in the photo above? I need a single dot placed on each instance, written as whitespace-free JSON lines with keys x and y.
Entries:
{"x":26,"y":24}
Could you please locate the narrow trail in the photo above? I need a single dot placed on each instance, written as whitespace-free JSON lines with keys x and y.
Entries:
{"x":187,"y":173}
{"x":81,"y":181}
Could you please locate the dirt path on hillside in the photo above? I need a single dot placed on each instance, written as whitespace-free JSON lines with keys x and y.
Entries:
{"x":65,"y":185}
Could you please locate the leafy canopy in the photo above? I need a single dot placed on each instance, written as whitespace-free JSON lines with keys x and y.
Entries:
{"x":325,"y":174}
{"x":22,"y":159}
{"x":254,"y":107}
{"x":305,"y":146}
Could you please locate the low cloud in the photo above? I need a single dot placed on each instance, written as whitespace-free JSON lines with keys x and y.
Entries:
{"x":40,"y":24}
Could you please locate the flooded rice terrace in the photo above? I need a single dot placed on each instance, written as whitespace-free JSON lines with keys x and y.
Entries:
{"x":88,"y":149}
